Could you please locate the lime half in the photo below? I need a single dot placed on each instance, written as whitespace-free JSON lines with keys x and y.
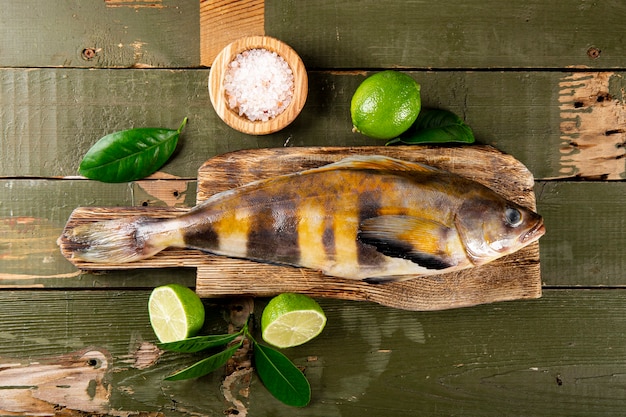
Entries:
{"x":291,"y":320}
{"x":176,"y":312}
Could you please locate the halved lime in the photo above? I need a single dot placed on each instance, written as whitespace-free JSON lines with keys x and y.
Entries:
{"x":176,"y":312}
{"x":291,"y":320}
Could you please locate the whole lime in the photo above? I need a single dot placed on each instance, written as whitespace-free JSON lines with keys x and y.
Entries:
{"x":385,"y":105}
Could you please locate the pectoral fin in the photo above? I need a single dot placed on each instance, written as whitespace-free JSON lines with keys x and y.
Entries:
{"x":422,"y":241}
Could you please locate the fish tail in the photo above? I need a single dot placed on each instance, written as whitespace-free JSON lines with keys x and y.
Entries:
{"x":122,"y":240}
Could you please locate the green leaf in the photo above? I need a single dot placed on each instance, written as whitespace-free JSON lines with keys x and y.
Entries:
{"x":199,"y":343}
{"x":129,"y":155}
{"x":281,"y":377}
{"x":437,"y":126}
{"x":205,"y":366}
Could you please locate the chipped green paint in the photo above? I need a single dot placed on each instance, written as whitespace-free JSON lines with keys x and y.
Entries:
{"x":517,"y":73}
{"x":592,"y":126}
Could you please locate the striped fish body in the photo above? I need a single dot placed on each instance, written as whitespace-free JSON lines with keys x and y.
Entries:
{"x":371,"y":218}
{"x":313,"y":220}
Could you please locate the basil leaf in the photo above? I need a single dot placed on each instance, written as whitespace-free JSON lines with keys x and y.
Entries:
{"x":129,"y":155}
{"x":281,"y":377}
{"x":199,"y":343}
{"x":437,"y":126}
{"x":205,"y":366}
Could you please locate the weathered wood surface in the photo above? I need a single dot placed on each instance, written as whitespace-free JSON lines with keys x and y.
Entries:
{"x":560,"y":125}
{"x":542,"y":81}
{"x":560,"y":355}
{"x":513,"y":277}
{"x":30,"y":257}
{"x":100,"y":33}
{"x":329,"y":34}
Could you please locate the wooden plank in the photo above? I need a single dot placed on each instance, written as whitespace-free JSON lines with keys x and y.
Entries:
{"x":480,"y":363}
{"x":224,"y":21}
{"x":82,"y":355}
{"x":593,"y":116}
{"x":62,"y":113}
{"x":100,"y":33}
{"x":32,"y":228}
{"x":475,"y":361}
{"x":512,"y":277}
{"x":584,"y":245}
{"x":34,"y":212}
{"x":32,"y":217}
{"x":451,"y":34}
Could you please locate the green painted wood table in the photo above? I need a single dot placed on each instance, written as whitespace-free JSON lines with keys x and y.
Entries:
{"x":542,"y":81}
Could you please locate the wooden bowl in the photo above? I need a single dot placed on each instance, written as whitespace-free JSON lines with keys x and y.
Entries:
{"x":218,"y":96}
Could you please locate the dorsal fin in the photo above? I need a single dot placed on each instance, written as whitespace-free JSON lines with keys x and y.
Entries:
{"x":379,"y":162}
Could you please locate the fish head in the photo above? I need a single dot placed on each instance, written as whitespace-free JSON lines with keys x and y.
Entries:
{"x":491,"y":227}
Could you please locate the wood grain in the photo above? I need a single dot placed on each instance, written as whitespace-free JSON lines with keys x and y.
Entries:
{"x":41,"y":388}
{"x":542,"y":81}
{"x":328,"y":34}
{"x":559,"y":355}
{"x":453,"y":34}
{"x":584,"y":238}
{"x":512,"y":277}
{"x":71,"y":109}
{"x":483,"y":164}
{"x":101,"y":34}
{"x":224,"y":21}
{"x":34,"y":213}
{"x":593,"y":116}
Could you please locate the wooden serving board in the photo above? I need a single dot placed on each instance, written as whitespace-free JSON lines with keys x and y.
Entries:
{"x":516,"y":276}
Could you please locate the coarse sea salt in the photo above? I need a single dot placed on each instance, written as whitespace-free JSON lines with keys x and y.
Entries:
{"x":258,"y":84}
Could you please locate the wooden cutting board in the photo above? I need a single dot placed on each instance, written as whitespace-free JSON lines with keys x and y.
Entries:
{"x":516,"y":276}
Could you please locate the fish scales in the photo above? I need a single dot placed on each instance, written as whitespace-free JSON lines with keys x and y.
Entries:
{"x":363,"y":218}
{"x":297,"y":221}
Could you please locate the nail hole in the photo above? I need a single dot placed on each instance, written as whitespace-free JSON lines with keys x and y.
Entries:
{"x":593,"y":52}
{"x":145,"y":204}
{"x":578,"y":104}
{"x":89,"y":53}
{"x":176,"y":194}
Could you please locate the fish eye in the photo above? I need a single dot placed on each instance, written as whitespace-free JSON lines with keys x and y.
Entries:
{"x":513,"y":217}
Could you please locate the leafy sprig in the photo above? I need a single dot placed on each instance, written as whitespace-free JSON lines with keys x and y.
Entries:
{"x":280,"y":376}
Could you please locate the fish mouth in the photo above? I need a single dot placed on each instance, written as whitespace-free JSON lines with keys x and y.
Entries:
{"x":533,"y":234}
